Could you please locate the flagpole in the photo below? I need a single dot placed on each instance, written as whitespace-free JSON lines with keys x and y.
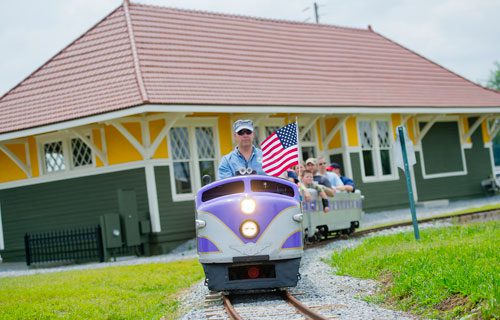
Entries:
{"x":298,"y":146}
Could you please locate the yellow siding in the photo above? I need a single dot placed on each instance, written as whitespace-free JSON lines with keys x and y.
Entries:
{"x":352,"y":132}
{"x":484,"y":129}
{"x":10,"y":170}
{"x":396,"y":121}
{"x":466,"y":128}
{"x":154,"y":129}
{"x":318,"y":134}
{"x":336,"y":142}
{"x":225,"y":134}
{"x":119,"y":149}
{"x":96,"y":139}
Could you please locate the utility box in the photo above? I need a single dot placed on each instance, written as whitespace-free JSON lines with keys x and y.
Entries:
{"x":112,"y":232}
{"x":127,"y":206}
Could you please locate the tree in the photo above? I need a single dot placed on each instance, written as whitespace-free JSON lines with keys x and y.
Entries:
{"x":494,"y":80}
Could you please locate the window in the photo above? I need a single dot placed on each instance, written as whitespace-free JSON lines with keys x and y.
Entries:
{"x":66,"y":153}
{"x":193,"y":156}
{"x":376,"y":142}
{"x":308,"y":144}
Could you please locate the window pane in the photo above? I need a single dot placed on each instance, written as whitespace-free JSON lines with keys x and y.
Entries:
{"x":308,"y":152}
{"x":384,"y":141}
{"x":207,"y":168}
{"x":365,"y":133}
{"x":182,"y":177}
{"x":308,"y":137}
{"x":205,"y":143}
{"x":179,"y":140}
{"x":82,"y":154}
{"x":368,"y":163}
{"x":385,"y":159}
{"x":54,"y":157}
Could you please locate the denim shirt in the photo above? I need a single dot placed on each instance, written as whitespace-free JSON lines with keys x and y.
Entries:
{"x":234,"y":161}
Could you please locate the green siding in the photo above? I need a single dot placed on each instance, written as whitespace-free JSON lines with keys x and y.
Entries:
{"x":378,"y":195}
{"x":392,"y":194}
{"x":176,"y":218}
{"x":441,"y":148}
{"x":64,"y":205}
{"x":478,"y":168}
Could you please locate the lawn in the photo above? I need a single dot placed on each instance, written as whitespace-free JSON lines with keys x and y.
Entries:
{"x":451,"y":272}
{"x":147,"y":291}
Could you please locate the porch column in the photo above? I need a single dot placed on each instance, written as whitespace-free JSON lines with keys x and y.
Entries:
{"x":154,"y":212}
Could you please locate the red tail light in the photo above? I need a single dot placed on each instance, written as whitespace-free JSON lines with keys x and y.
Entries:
{"x":253,"y":272}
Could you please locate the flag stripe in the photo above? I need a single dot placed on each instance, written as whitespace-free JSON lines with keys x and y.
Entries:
{"x":282,"y":153}
{"x":280,"y":150}
{"x":283,"y":159}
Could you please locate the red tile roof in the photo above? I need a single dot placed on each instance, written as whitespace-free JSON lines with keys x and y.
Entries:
{"x":143,"y":54}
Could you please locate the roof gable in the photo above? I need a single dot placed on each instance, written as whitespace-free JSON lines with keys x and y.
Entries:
{"x":142,"y":53}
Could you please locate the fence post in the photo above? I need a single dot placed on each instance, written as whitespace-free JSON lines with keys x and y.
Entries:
{"x":100,"y":244}
{"x":27,"y":248}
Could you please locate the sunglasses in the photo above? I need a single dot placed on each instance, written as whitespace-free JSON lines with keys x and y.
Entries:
{"x":322,"y":163}
{"x":244,"y":131}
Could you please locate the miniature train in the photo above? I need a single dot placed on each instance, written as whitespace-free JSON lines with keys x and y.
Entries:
{"x":251,"y":230}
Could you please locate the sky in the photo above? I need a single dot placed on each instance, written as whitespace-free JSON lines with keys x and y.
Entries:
{"x":460,"y":35}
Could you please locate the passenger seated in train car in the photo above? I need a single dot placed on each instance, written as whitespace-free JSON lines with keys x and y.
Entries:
{"x":348,"y":182}
{"x":334,"y":179}
{"x":245,"y":158}
{"x":307,"y":182}
{"x":312,"y":165}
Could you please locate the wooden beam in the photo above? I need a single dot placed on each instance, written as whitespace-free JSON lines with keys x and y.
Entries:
{"x":473,"y":128}
{"x":308,"y":127}
{"x":335,"y":129}
{"x":138,"y":146}
{"x":405,"y":119}
{"x":169,"y":123}
{"x":427,"y":127}
{"x":26,"y":169}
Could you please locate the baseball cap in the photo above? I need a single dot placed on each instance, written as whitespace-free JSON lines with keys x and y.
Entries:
{"x":243,"y":124}
{"x":312,"y":160}
{"x":332,"y":166}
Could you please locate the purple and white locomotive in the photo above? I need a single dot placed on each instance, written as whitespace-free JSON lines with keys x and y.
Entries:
{"x":249,"y":232}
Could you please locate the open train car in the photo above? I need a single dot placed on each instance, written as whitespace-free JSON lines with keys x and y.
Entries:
{"x":249,"y":232}
{"x":345,"y":215}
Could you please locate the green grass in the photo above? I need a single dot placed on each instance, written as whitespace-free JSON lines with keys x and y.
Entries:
{"x":449,"y":273}
{"x":146,"y":291}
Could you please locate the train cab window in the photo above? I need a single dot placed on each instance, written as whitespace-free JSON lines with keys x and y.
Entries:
{"x":223,"y":190}
{"x":271,"y":186}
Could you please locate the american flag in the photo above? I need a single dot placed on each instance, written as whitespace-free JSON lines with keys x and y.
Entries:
{"x":280,"y":150}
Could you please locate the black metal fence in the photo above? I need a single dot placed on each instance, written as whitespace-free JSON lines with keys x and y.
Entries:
{"x":83,"y":244}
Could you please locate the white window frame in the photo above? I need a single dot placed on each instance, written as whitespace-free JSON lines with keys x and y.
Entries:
{"x":67,"y":152}
{"x":313,"y":143}
{"x":463,"y":172}
{"x":2,"y":241}
{"x":377,"y":162}
{"x":194,"y":160}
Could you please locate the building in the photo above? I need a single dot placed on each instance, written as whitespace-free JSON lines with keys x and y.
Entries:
{"x":145,"y":99}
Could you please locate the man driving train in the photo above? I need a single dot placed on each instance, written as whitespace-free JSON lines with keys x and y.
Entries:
{"x":245,"y":158}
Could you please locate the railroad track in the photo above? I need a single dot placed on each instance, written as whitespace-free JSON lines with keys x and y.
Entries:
{"x":279,"y":304}
{"x":284,"y":305}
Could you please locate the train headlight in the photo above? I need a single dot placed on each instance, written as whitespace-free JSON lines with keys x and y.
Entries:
{"x":248,"y":206}
{"x":249,"y":229}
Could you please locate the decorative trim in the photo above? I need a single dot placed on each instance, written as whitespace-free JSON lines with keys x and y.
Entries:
{"x":230,"y":109}
{"x":135,"y":55}
{"x":310,"y":124}
{"x":334,"y":130}
{"x":473,"y":128}
{"x":25,"y":167}
{"x":82,"y":173}
{"x":426,"y":129}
